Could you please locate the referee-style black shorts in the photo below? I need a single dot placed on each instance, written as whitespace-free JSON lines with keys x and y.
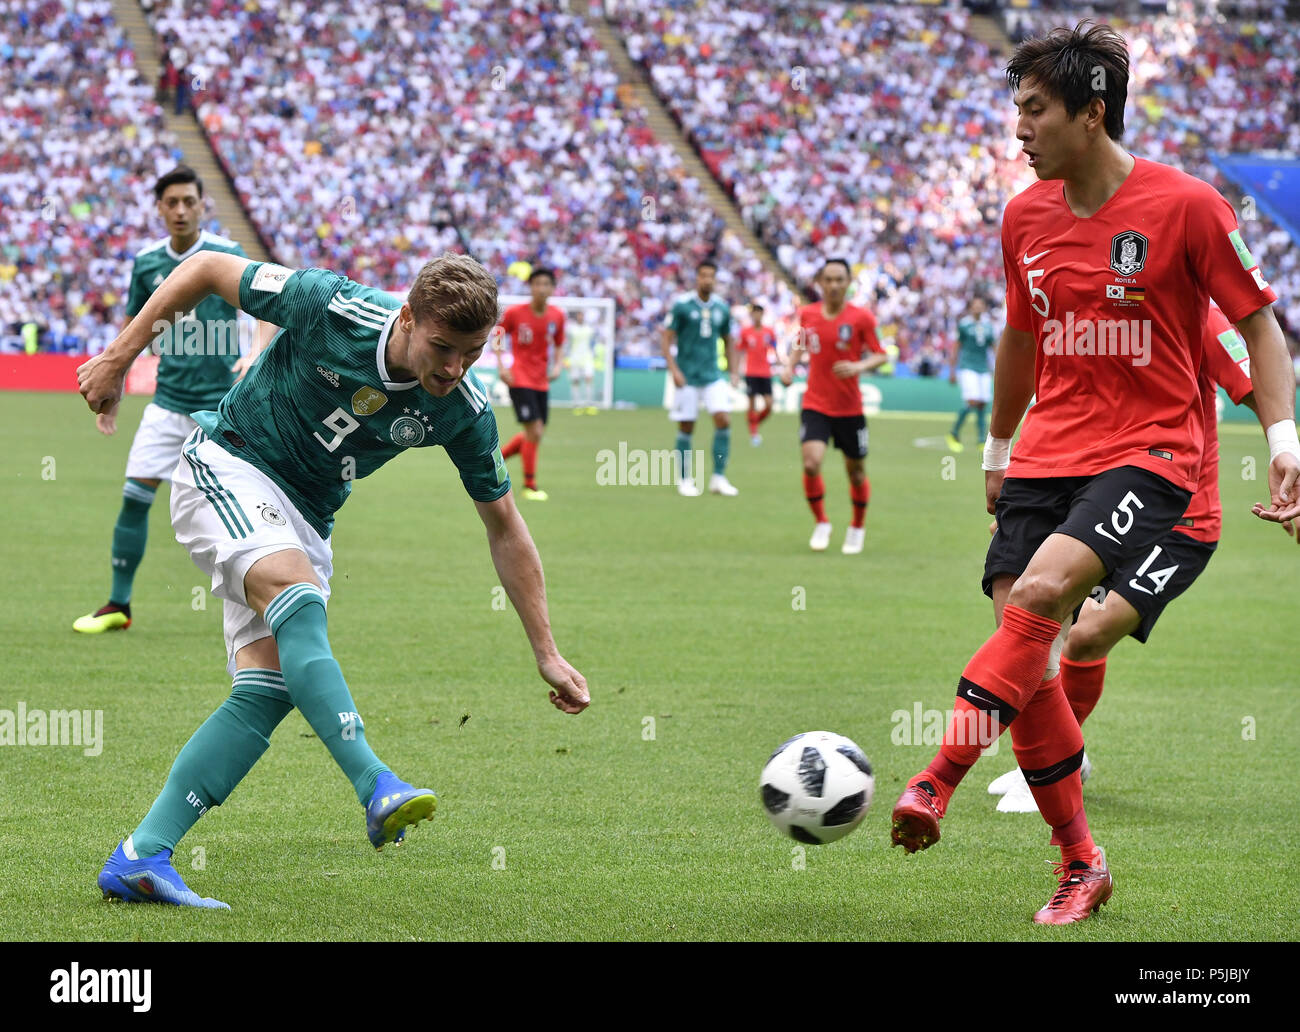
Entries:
{"x":1152,"y":580}
{"x":530,"y":404}
{"x":848,"y":432}
{"x":1120,"y":514}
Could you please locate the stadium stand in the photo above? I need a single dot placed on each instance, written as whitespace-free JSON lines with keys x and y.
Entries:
{"x":75,"y":201}
{"x":841,"y":130}
{"x":367,"y":140}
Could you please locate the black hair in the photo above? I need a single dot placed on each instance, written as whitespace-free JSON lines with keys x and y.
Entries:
{"x":1074,"y":66}
{"x":180,"y":174}
{"x":542,"y":270}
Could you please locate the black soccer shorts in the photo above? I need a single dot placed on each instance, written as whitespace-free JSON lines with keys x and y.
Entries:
{"x":848,"y":432}
{"x":1120,"y":514}
{"x":1152,"y":580}
{"x":530,"y":404}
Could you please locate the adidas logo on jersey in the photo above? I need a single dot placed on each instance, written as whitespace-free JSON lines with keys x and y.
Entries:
{"x":329,"y":375}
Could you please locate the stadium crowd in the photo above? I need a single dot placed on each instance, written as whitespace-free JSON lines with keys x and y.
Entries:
{"x":885,"y":133}
{"x":1205,"y":86}
{"x":849,"y":130}
{"x":367,"y":139}
{"x":81,"y":143}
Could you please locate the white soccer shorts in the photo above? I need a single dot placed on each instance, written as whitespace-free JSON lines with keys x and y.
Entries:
{"x":157,"y":443}
{"x":975,"y":386}
{"x":228,"y":514}
{"x":686,"y":401}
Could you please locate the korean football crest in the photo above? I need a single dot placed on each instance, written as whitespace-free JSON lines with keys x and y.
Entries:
{"x":1128,"y":252}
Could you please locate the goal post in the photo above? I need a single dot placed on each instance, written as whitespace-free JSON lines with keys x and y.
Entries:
{"x":587,"y":361}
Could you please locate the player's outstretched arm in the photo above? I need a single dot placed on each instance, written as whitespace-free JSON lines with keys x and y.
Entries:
{"x":520,"y":569}
{"x":106,"y":420}
{"x":791,"y":358}
{"x":101,"y":379}
{"x":557,"y":362}
{"x":1013,"y":386}
{"x":874,"y":361}
{"x":1273,"y":377}
{"x":666,"y":343}
{"x":497,"y":340}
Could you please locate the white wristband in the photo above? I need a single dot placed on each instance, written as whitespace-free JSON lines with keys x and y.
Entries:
{"x":997,"y":453}
{"x":1281,"y":438}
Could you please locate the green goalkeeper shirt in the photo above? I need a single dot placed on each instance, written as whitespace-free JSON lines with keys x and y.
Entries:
{"x":698,"y":325}
{"x":318,"y":410}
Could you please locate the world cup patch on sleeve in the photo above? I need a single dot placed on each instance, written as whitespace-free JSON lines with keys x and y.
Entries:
{"x":270,"y":278}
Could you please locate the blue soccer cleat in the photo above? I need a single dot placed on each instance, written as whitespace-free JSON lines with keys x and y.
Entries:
{"x":149,"y":880}
{"x":394,"y":805}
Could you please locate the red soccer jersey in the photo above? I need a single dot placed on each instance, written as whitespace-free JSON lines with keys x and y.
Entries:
{"x":531,"y":338}
{"x":1226,"y":364}
{"x":1116,"y":304}
{"x":758,"y":343}
{"x":847,"y":337}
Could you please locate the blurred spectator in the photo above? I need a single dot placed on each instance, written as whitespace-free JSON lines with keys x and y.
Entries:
{"x":167,"y":80}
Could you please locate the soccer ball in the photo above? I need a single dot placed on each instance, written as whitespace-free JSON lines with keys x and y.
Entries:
{"x":817,"y":786}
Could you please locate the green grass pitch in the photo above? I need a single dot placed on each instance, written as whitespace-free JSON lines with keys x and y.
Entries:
{"x":640,"y":818}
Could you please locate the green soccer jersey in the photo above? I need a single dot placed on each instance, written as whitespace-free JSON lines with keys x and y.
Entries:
{"x":974,"y":338}
{"x":698,"y":326}
{"x":194,"y":356}
{"x":318,"y":409}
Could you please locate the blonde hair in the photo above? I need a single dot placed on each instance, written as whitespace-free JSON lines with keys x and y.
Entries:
{"x":457,"y":291}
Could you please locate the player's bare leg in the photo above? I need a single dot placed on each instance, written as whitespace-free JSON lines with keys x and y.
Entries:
{"x":534,"y":431}
{"x":718,"y":482}
{"x":129,"y":536}
{"x":815,"y":491}
{"x":860,"y":493}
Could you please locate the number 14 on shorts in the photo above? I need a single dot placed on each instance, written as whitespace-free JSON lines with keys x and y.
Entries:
{"x":1159,"y":578}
